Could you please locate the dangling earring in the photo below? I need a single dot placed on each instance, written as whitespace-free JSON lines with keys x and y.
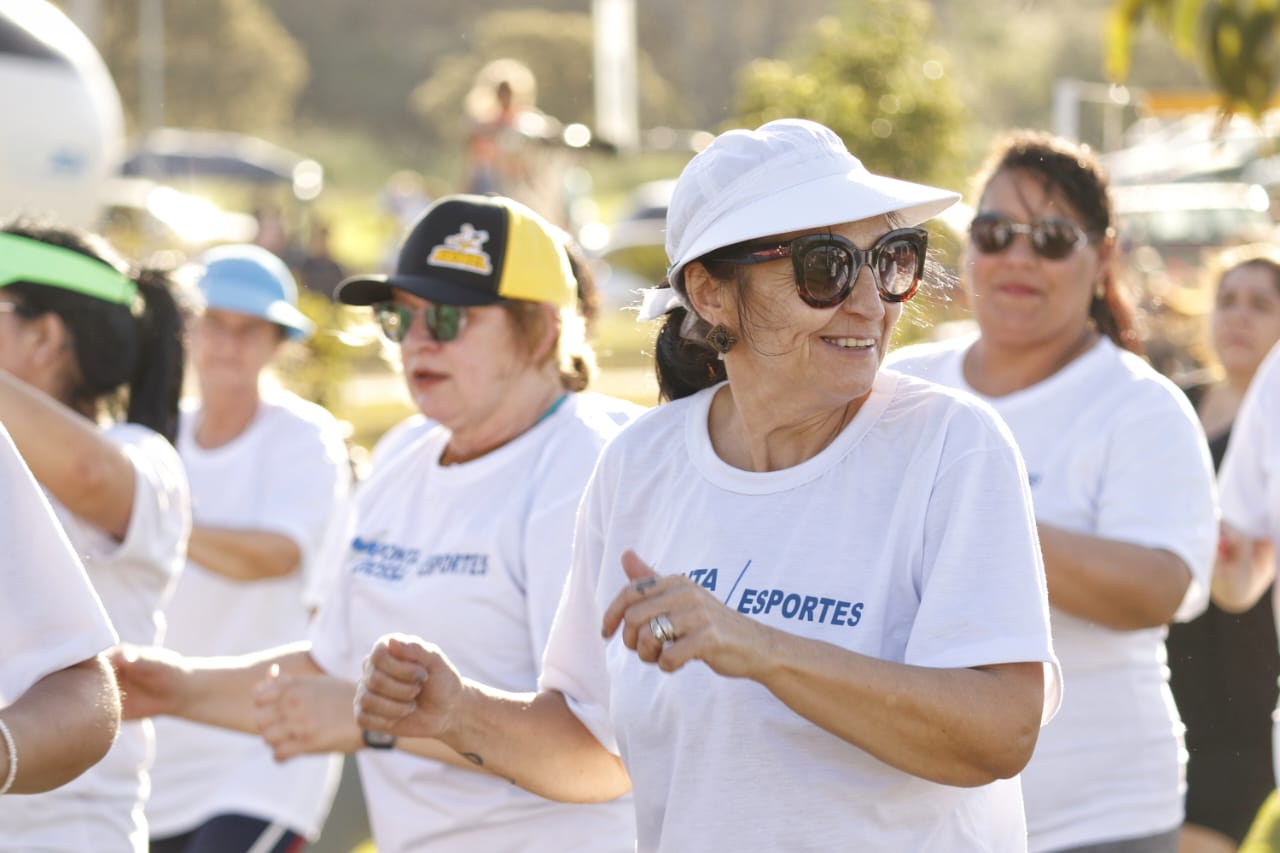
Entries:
{"x":1100,"y":291}
{"x":721,"y":339}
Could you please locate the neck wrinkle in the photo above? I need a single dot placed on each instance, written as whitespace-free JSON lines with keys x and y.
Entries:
{"x":763,"y":437}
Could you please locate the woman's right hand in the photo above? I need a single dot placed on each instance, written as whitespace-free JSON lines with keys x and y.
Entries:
{"x":408,"y":689}
{"x":151,"y":680}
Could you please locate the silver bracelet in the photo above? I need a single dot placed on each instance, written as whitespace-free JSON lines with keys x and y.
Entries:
{"x":12,"y":749}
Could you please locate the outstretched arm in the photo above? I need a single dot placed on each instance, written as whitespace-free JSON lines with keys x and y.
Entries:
{"x":216,"y":691}
{"x":61,"y":726}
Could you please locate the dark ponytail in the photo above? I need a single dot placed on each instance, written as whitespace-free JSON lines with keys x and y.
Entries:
{"x":683,"y":366}
{"x":129,"y":357}
{"x":155,"y":385}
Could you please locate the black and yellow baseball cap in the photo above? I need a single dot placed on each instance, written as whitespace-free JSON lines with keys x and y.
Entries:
{"x":474,"y":250}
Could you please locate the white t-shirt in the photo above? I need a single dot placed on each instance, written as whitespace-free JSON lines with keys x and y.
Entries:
{"x":50,"y":617}
{"x":1250,"y":476}
{"x":1112,"y":449}
{"x":102,"y":809}
{"x":287,"y":473}
{"x":400,"y":436}
{"x":881,"y":544}
{"x":472,"y":557}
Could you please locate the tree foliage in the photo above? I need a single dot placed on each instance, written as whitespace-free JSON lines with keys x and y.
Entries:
{"x":228,"y":64}
{"x":1232,"y":42}
{"x":872,"y":77}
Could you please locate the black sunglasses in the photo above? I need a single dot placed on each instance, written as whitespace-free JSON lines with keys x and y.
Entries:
{"x":1053,"y":238}
{"x":827,"y":265}
{"x":444,"y":322}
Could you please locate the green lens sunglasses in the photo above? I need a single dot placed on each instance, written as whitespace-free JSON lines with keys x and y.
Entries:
{"x":444,"y":322}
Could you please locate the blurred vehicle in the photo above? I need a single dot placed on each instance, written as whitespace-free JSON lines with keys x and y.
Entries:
{"x":143,"y":218}
{"x":178,"y":155}
{"x":1180,"y":219}
{"x":64,"y":125}
{"x":631,"y":251}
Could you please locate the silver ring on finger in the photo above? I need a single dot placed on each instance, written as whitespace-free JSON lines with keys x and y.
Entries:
{"x":663,"y":631}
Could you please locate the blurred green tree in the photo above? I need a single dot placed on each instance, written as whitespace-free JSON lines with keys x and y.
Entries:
{"x":1232,"y":42}
{"x":228,"y":64}
{"x":873,"y":76}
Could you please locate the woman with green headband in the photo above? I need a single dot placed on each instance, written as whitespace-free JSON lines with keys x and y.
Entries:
{"x":90,"y":373}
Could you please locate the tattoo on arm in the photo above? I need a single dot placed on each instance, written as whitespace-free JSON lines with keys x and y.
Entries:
{"x":474,"y":758}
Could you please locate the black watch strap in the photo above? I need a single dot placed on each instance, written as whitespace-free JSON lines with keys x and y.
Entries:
{"x":378,"y":740}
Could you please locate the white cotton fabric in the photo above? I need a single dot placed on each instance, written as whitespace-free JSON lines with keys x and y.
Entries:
{"x":50,"y":617}
{"x":102,"y":809}
{"x":1113,"y":449}
{"x":471,"y":557}
{"x":882,"y":544}
{"x":287,"y":473}
{"x":1250,"y":477}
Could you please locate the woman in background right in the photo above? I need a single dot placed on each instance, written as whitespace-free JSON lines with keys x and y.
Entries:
{"x":1224,"y":665}
{"x":1121,"y":483}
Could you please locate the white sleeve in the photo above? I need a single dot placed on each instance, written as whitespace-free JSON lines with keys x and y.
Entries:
{"x":1158,"y":491}
{"x":160,"y":523}
{"x":983,"y":597}
{"x":307,"y":481}
{"x":1250,"y":476}
{"x":574,"y":662}
{"x":50,"y":617}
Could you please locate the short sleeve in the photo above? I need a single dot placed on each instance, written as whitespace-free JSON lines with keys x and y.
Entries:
{"x":50,"y":617}
{"x":1250,"y":475}
{"x":983,"y":597}
{"x":574,"y":661}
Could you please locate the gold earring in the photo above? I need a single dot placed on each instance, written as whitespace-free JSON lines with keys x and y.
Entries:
{"x":721,"y":338}
{"x":1100,"y":290}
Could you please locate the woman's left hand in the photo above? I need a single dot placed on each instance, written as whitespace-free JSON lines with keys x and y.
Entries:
{"x":305,"y":714}
{"x":700,"y":627}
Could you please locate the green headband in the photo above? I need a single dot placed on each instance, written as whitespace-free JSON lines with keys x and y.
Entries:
{"x":26,"y":259}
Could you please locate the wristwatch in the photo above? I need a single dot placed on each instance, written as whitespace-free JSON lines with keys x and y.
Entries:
{"x":378,"y":740}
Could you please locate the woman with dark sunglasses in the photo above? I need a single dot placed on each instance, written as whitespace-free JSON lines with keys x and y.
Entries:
{"x":91,"y":365}
{"x":811,"y":640}
{"x":1121,"y":480}
{"x":465,"y":535}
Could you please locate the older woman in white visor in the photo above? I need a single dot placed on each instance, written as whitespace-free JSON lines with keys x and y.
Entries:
{"x":821,"y":598}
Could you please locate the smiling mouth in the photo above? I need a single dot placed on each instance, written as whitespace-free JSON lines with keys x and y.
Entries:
{"x":852,"y":343}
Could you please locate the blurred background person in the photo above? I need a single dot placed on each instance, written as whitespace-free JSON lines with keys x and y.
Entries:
{"x":91,"y":365}
{"x":1224,"y":666}
{"x":467,"y":535}
{"x":59,"y":709}
{"x":1121,"y":480}
{"x":269,"y":475}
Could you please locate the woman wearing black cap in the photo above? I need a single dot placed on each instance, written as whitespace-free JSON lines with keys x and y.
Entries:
{"x":467,"y":536}
{"x":81,"y":343}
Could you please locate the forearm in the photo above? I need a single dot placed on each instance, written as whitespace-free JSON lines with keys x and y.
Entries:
{"x":62,"y":726}
{"x":243,"y":555}
{"x":536,"y":742}
{"x":962,"y":727}
{"x":218,"y":691}
{"x":1119,"y":585}
{"x":1243,"y":573}
{"x":87,"y":473}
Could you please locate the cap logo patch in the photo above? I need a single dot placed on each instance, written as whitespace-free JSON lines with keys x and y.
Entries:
{"x":463,"y":251}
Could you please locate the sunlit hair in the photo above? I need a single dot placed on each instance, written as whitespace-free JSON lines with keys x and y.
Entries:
{"x":1074,"y":173}
{"x":575,"y":360}
{"x":1260,"y":255}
